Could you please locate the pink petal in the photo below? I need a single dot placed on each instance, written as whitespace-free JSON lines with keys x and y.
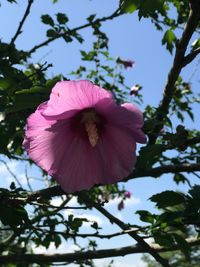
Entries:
{"x":68,"y":157}
{"x":127,"y":116}
{"x":73,"y":96}
{"x":36,"y":122}
{"x":117,"y":153}
{"x":71,"y":160}
{"x":136,"y":112}
{"x":78,"y":168}
{"x":43,"y":147}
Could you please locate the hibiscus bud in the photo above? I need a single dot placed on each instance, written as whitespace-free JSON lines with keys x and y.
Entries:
{"x":121,"y":205}
{"x":126,"y":63}
{"x":127,"y":194}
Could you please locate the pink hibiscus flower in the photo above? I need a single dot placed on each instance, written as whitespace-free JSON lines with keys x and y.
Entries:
{"x":81,"y":137}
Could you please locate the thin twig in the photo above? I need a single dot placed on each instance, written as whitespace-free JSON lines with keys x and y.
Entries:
{"x":28,"y":180}
{"x":189,"y":58}
{"x":198,"y":176}
{"x":68,"y":32}
{"x":11,"y":172}
{"x":96,"y":235}
{"x":19,"y":31}
{"x":194,"y":71}
{"x":43,"y":205}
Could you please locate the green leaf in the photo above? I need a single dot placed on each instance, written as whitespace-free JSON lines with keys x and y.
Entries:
{"x":91,"y":18}
{"x":95,"y":226}
{"x":195,"y":192}
{"x":149,"y":8}
{"x":149,"y":155}
{"x":46,"y":19}
{"x":24,"y":101}
{"x":35,"y":89}
{"x":47,"y":240}
{"x":168,"y":199}
{"x":163,"y":239}
{"x":13,"y":216}
{"x":169,"y":217}
{"x":169,"y":39}
{"x":67,"y":38}
{"x":5,"y":83}
{"x":51,"y":33}
{"x":12,"y":186}
{"x":129,"y":6}
{"x":57,"y":240}
{"x":146,"y":216}
{"x":179,"y":178}
{"x":183,"y":245}
{"x":62,"y":18}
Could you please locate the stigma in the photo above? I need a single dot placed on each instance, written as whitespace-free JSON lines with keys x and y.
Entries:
{"x":92,"y":133}
{"x":90,"y":119}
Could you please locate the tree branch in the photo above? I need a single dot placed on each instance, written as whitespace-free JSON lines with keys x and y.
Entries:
{"x":113,"y":15}
{"x":126,"y":227}
{"x":18,"y":32}
{"x":91,"y":254}
{"x":158,"y":171}
{"x":54,"y":191}
{"x":190,"y":57}
{"x":177,"y":66}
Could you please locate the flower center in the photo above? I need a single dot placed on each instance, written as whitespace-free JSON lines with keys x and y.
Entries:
{"x":90,"y":119}
{"x":92,"y":133}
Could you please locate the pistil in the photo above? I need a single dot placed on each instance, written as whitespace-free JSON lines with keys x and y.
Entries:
{"x":92,"y":133}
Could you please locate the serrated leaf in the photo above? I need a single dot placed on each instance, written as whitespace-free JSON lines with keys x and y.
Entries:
{"x":149,"y":155}
{"x":57,"y":240}
{"x":148,"y":8}
{"x":168,"y":199}
{"x":62,"y":18}
{"x":46,"y":19}
{"x":145,"y":216}
{"x":164,"y":240}
{"x":169,"y":40}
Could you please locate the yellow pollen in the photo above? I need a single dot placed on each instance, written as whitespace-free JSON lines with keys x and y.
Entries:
{"x":92,"y":132}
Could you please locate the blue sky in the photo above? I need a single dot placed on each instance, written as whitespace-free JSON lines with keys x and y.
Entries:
{"x":129,"y":39}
